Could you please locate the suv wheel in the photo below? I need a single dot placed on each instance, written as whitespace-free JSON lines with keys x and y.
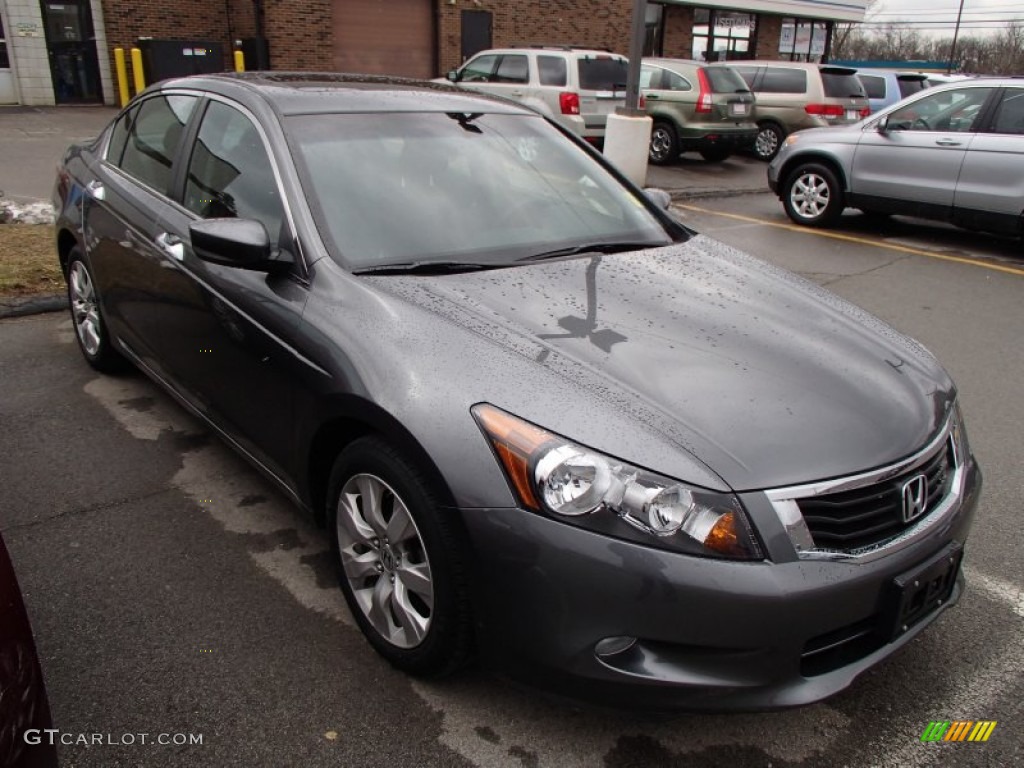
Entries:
{"x":664,"y":144}
{"x":812,"y":196}
{"x":769,"y":139}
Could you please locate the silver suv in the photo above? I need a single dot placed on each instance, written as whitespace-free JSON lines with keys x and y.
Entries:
{"x":953,"y":153}
{"x":576,"y":87}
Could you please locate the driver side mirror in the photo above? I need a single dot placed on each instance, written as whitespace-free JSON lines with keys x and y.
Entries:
{"x":882,"y":126}
{"x":241,"y":243}
{"x":659,"y":197}
{"x":453,"y":75}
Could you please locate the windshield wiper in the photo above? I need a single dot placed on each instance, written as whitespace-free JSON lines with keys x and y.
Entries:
{"x":592,"y":248}
{"x":426,"y":268}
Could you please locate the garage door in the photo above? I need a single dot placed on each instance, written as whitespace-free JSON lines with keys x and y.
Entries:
{"x":384,"y":37}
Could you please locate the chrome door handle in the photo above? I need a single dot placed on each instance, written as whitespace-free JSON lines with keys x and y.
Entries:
{"x":171,"y":245}
{"x":516,"y":93}
{"x":96,"y":190}
{"x":948,"y":142}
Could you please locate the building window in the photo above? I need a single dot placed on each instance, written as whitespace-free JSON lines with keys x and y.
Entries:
{"x":654,"y":22}
{"x":722,"y":35}
{"x":804,"y":39}
{"x":5,"y":63}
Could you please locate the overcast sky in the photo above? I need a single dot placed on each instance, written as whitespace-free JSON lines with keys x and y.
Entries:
{"x":939,"y":16}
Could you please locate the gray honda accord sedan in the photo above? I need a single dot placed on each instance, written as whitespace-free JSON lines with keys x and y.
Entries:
{"x":547,"y":427}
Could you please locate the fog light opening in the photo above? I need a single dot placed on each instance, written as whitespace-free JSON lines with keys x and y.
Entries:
{"x":612,"y":646}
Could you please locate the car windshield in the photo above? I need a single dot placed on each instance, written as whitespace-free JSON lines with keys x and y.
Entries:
{"x":415,"y":188}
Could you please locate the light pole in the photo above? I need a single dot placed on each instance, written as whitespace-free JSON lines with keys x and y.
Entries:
{"x":956,"y":34}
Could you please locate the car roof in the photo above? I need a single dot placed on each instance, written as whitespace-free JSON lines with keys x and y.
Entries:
{"x":299,"y":93}
{"x":661,"y":61}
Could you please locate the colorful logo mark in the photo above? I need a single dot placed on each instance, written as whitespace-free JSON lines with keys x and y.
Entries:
{"x":958,"y":730}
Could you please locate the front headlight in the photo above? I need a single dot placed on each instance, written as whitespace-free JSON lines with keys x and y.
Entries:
{"x":588,"y":489}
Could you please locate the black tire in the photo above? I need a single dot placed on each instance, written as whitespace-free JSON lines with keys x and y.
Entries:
{"x":715,"y":154}
{"x":768,"y":141}
{"x":87,"y":318}
{"x":812,"y":195}
{"x":664,"y":149}
{"x":431,"y":546}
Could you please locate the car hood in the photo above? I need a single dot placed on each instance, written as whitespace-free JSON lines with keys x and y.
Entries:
{"x":764,"y":377}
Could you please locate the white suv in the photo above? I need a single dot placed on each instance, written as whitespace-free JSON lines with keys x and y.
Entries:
{"x":576,"y":87}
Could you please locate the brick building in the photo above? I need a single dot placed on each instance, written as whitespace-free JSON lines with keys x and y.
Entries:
{"x":61,"y":51}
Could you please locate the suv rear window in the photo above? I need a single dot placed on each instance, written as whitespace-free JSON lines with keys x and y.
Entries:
{"x":873,"y":85}
{"x":909,"y":85}
{"x":841,"y":84}
{"x":725,"y":80}
{"x":602,"y":74}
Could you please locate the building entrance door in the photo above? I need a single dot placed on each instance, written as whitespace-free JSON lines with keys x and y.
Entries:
{"x":476,"y":32}
{"x":6,"y":76}
{"x":72,"y":49}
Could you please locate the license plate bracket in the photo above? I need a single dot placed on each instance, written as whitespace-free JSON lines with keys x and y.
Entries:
{"x":915,"y":594}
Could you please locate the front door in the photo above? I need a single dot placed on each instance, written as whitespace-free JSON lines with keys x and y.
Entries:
{"x":71,"y":45}
{"x":476,"y":32}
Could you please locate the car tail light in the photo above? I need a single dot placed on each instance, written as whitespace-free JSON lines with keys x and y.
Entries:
{"x":643,"y":101}
{"x":866,"y":112}
{"x":825,"y":110}
{"x":569,"y":103}
{"x":704,"y":96}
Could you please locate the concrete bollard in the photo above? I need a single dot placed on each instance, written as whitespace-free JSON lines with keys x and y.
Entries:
{"x":626,"y":143}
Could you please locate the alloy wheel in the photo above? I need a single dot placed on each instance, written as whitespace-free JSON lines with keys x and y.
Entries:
{"x":84,"y":310}
{"x":810,"y":195}
{"x":767,"y":143}
{"x":385,"y":561}
{"x":661,"y":143}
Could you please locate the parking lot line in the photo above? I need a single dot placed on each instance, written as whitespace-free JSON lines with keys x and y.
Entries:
{"x":855,"y":239}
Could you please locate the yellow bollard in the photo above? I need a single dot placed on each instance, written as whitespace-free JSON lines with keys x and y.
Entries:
{"x":137,"y":73}
{"x":239,"y":61}
{"x":122,"y":76}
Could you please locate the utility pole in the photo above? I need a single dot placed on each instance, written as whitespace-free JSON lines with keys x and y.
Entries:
{"x":956,"y":33}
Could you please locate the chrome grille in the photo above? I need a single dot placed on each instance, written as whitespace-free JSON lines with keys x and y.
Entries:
{"x":870,"y":515}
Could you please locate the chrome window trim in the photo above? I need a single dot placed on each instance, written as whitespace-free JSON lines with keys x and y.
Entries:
{"x":783,"y":500}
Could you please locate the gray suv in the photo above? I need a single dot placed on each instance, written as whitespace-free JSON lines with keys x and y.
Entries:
{"x":576,"y":87}
{"x":953,"y":153}
{"x":793,"y":95}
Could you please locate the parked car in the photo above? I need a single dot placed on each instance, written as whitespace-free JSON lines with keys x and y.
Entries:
{"x":793,"y":95}
{"x":576,"y":87}
{"x":953,"y":153}
{"x":887,"y":86}
{"x":24,"y":709}
{"x":515,"y":390}
{"x":696,"y":108}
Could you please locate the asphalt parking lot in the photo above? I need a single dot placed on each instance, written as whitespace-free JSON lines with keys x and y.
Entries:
{"x":174,"y":592}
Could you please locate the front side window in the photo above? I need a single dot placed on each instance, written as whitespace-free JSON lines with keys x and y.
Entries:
{"x":154,"y":131}
{"x":486,"y":188}
{"x":949,"y":111}
{"x":230,"y":173}
{"x":479,"y":70}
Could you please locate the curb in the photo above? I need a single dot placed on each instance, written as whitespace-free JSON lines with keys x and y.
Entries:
{"x":32,"y":305}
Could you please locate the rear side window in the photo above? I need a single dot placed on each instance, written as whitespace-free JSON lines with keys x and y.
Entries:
{"x":874,"y":86}
{"x":602,"y":74}
{"x":512,"y":69}
{"x":153,"y":138}
{"x":119,"y":136}
{"x":552,"y":70}
{"x":1010,"y":114}
{"x":674,"y":82}
{"x":725,"y":80}
{"x":650,"y":78}
{"x":781,"y":80}
{"x":841,"y":86}
{"x":909,"y":85}
{"x":747,"y":73}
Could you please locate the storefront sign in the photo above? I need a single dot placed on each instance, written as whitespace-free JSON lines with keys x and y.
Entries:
{"x":28,"y":29}
{"x":836,"y":10}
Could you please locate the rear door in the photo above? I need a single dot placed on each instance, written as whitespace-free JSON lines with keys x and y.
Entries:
{"x":844,"y":89}
{"x":602,"y":82}
{"x":918,"y":158}
{"x":992,"y":177}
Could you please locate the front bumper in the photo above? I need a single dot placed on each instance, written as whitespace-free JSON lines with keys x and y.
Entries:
{"x":711,"y":634}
